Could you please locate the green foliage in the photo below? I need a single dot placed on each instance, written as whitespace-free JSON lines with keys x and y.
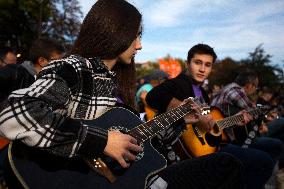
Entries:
{"x":144,"y":69}
{"x":259,"y":61}
{"x":225,"y":71}
{"x":23,"y":21}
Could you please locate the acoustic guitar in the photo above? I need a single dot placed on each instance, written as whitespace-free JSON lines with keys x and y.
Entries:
{"x":194,"y":142}
{"x":36,"y":168}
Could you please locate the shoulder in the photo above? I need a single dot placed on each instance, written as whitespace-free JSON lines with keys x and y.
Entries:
{"x":69,"y":69}
{"x":12,"y":71}
{"x":180,"y":79}
{"x":146,"y":87}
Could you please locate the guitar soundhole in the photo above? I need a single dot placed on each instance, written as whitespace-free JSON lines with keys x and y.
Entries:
{"x":212,"y":140}
{"x":216,"y":129}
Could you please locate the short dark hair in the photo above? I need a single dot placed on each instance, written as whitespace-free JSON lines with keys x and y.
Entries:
{"x":201,"y":49}
{"x":43,"y":47}
{"x":4,"y":51}
{"x":108,"y":29}
{"x":246,"y":77}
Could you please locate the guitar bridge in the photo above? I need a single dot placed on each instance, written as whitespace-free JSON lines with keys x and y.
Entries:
{"x":101,"y":168}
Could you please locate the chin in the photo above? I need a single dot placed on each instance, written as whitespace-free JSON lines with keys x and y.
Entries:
{"x":198,"y":80}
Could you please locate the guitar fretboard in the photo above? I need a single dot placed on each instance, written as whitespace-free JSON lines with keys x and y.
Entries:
{"x":234,"y":120}
{"x":149,"y":129}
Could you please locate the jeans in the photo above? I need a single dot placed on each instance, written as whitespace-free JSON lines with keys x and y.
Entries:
{"x":276,"y":130}
{"x":274,"y":147}
{"x":217,"y":170}
{"x":258,"y":164}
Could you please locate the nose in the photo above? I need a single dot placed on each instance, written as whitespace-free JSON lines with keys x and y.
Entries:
{"x":202,"y":67}
{"x":138,"y":44}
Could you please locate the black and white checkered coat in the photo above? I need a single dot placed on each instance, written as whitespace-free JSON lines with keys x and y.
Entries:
{"x":46,"y":114}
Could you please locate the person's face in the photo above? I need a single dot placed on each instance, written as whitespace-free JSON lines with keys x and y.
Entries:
{"x":200,"y":67}
{"x":252,"y":87}
{"x":129,"y":54}
{"x":53,"y":56}
{"x":10,"y":58}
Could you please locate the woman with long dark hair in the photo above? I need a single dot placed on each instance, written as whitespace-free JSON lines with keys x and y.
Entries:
{"x":98,"y":72}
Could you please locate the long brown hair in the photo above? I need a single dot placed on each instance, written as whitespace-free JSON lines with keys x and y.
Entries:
{"x":107,"y":31}
{"x":126,"y":77}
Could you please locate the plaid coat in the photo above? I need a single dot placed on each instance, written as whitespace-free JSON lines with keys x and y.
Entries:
{"x":47,"y":114}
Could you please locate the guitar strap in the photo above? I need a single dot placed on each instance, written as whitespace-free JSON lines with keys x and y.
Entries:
{"x":251,"y":135}
{"x":251,"y":129}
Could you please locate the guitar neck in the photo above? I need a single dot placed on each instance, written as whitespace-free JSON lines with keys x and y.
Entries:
{"x":161,"y":122}
{"x":235,"y":119}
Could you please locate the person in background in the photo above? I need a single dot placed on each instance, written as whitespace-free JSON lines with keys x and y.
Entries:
{"x":169,"y":94}
{"x":235,"y":97}
{"x":18,"y":76}
{"x":154,"y":79}
{"x":274,"y":124}
{"x":7,"y":56}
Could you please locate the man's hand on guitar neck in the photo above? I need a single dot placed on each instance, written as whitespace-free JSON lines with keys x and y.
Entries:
{"x":121,"y":147}
{"x":204,"y":122}
{"x":246,"y":117}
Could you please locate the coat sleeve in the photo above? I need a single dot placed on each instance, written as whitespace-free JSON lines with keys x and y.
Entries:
{"x":38,"y":117}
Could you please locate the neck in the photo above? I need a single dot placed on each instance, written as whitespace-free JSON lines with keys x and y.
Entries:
{"x":193,"y":80}
{"x":110,"y":63}
{"x":37,"y":68}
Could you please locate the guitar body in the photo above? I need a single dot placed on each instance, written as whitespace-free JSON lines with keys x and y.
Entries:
{"x":150,"y":113}
{"x":204,"y":144}
{"x":38,"y":169}
{"x":3,"y":142}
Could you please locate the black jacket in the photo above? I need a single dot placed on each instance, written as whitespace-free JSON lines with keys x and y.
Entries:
{"x":179,"y":87}
{"x":13,"y":77}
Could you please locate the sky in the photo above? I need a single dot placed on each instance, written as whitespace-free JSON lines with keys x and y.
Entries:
{"x":232,"y":27}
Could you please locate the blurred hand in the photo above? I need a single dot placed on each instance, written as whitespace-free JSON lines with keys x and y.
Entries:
{"x":194,"y":115}
{"x":246,"y":117}
{"x":263,"y":129}
{"x":271,"y":116}
{"x":121,"y":147}
{"x":206,"y":122}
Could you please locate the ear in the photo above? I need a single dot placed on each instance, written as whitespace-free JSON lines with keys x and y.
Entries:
{"x":42,"y":61}
{"x":247,"y":87}
{"x":187,"y":64}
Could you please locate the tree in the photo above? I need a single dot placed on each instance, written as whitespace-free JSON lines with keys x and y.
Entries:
{"x":259,"y":61}
{"x":23,"y":21}
{"x":223,"y":72}
{"x":226,"y":70}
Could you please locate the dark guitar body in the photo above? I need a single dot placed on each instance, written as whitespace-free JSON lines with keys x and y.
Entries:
{"x":39,"y":169}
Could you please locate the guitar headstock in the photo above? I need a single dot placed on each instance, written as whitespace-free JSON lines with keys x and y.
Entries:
{"x":263,"y":109}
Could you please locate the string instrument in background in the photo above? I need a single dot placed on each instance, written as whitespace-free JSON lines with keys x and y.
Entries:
{"x":150,"y":113}
{"x":36,"y":168}
{"x":3,"y":142}
{"x":194,"y":142}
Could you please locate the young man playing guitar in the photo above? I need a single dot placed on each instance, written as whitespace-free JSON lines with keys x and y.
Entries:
{"x":234,"y":97}
{"x":258,"y":164}
{"x":66,"y":110}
